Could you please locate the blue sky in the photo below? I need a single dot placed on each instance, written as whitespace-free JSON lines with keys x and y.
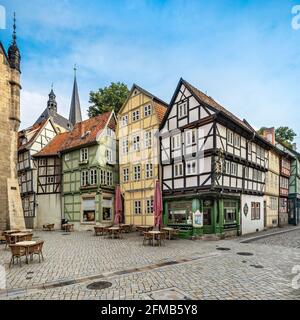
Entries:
{"x":245,"y":54}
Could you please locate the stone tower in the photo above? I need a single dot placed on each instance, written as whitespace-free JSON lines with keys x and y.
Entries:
{"x":11,"y":212}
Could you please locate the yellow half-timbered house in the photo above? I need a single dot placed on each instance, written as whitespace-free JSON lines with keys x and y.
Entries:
{"x":137,"y":131}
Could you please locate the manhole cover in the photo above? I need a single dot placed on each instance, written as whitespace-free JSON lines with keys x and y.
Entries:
{"x":99,"y":285}
{"x":245,"y":253}
{"x":223,"y":249}
{"x":257,"y":266}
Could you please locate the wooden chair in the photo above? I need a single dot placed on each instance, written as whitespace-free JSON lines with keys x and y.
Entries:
{"x":9,"y":240}
{"x":147,"y":238}
{"x":48,"y":226}
{"x":37,"y":249}
{"x":28,"y":237}
{"x":175,"y":234}
{"x":16,"y":252}
{"x":162,"y":238}
{"x":2,"y":237}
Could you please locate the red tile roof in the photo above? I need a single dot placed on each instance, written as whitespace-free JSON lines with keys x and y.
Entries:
{"x":86,"y":132}
{"x":160,"y":111}
{"x":54,"y":146}
{"x":35,"y":130}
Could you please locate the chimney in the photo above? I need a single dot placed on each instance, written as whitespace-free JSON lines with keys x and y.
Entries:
{"x":82,"y":130}
{"x":269,"y":135}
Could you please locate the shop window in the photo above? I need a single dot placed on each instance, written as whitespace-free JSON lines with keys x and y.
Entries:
{"x":230,"y":211}
{"x":179,"y":212}
{"x":107,"y":209}
{"x":88,"y":209}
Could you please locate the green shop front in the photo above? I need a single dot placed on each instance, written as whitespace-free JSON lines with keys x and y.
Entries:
{"x":217,"y":216}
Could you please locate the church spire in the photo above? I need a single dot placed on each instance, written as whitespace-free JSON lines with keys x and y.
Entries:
{"x":75,"y":110}
{"x":13,"y":50}
{"x":52,"y":104}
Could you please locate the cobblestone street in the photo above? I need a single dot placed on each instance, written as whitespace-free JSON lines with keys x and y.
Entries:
{"x":181,"y":269}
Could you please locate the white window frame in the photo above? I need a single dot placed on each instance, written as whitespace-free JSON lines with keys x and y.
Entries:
{"x":103,"y":177}
{"x":67,"y":157}
{"x":109,"y":132}
{"x":149,"y":170}
{"x":149,"y":206}
{"x":176,"y":141}
{"x":190,"y":137}
{"x":137,"y":172}
{"x":137,"y":204}
{"x":125,"y":146}
{"x":182,"y":110}
{"x":84,"y":154}
{"x":230,"y":137}
{"x":93,"y":177}
{"x":125,"y":175}
{"x":148,"y":139}
{"x":179,"y":171}
{"x":136,"y":143}
{"x":124,"y":120}
{"x":237,"y":140}
{"x":109,"y":155}
{"x":147,"y":110}
{"x":84,"y":178}
{"x":135,"y":115}
{"x":191,"y":167}
{"x":234,"y":169}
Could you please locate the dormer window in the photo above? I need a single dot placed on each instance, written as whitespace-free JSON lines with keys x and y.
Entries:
{"x":109,"y":132}
{"x":84,"y":155}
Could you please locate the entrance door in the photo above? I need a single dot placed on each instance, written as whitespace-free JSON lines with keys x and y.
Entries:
{"x":207,"y":217}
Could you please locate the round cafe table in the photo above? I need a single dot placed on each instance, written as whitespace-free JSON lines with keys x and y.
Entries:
{"x":115,"y":231}
{"x":154,"y":234}
{"x":26,"y":245}
{"x":11,"y":231}
{"x":16,"y":236}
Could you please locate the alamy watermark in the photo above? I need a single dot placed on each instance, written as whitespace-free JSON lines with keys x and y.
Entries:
{"x":296,"y":18}
{"x":2,"y":17}
{"x":2,"y":278}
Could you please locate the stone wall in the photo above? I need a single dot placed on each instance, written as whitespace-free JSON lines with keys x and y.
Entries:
{"x":10,"y":211}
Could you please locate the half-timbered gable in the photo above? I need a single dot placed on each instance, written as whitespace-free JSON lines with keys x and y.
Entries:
{"x":30,"y":142}
{"x":138,"y":134}
{"x":206,"y":150}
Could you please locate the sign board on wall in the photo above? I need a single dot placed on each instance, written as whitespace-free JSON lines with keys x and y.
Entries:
{"x":197,"y":219}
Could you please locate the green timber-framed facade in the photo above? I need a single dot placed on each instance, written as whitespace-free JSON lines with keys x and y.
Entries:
{"x":90,"y":172}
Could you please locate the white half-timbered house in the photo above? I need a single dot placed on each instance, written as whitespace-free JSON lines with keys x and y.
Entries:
{"x":31,"y":141}
{"x":213,"y":164}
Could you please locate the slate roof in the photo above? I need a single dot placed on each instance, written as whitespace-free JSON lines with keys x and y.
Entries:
{"x":57,"y":119}
{"x":75,"y":110}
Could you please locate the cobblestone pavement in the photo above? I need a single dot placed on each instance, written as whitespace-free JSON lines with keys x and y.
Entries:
{"x":182,"y":269}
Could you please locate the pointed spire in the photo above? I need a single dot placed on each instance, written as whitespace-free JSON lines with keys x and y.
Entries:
{"x":13,"y":50}
{"x":75,"y":109}
{"x":52,"y":104}
{"x":15,"y":32}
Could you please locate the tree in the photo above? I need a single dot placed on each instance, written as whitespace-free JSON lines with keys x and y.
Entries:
{"x":108,"y":99}
{"x":285,"y":135}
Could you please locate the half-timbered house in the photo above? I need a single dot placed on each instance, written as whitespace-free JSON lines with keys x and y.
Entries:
{"x":49,"y":173}
{"x":213,"y":165}
{"x":137,"y":131}
{"x":90,"y":172}
{"x":31,"y":141}
{"x":294,"y":184}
